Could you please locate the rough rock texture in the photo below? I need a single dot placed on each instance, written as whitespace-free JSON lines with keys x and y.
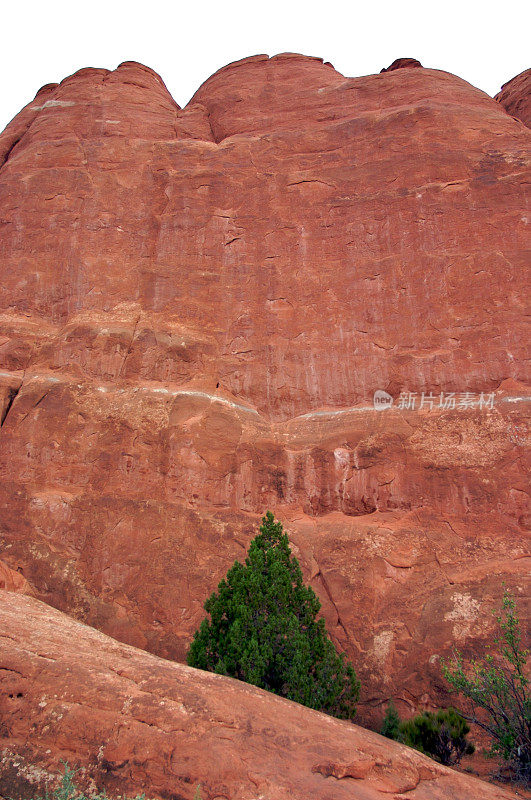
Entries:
{"x":13,"y":581}
{"x":197,"y":308}
{"x":515,"y":97}
{"x":134,"y":722}
{"x":401,"y":63}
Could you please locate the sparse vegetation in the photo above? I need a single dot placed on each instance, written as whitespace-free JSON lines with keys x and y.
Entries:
{"x":440,"y":734}
{"x":391,"y":722}
{"x":67,"y":790}
{"x":496,"y":688}
{"x":263,"y":629}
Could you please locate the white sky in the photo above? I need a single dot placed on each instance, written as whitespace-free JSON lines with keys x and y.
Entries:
{"x":43,"y":42}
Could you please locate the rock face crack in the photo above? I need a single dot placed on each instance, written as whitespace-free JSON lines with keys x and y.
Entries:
{"x":129,"y":347}
{"x":10,"y":400}
{"x":34,"y":406}
{"x":329,"y":595}
{"x":217,"y":137}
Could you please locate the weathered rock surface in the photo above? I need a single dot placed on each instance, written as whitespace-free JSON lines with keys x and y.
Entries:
{"x":515,"y":97}
{"x":198,"y":305}
{"x":13,"y":581}
{"x":402,"y":63}
{"x":136,"y":723}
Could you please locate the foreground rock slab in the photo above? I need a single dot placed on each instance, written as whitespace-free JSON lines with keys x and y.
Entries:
{"x":134,"y":722}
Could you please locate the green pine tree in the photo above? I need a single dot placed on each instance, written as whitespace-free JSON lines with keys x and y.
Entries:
{"x":263,"y":629}
{"x":391,"y":722}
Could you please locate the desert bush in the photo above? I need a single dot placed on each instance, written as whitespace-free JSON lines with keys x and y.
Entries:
{"x":440,"y":734}
{"x":263,"y":629}
{"x":496,"y":690}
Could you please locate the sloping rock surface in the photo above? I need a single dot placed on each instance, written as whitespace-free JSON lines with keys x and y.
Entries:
{"x":136,"y":723}
{"x":197,"y":307}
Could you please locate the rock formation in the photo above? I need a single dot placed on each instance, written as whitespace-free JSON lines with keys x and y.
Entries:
{"x":515,"y":97}
{"x":198,"y":305}
{"x":136,"y":723}
{"x":402,"y":63}
{"x":13,"y":581}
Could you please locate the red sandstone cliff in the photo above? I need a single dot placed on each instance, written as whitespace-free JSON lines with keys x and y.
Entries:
{"x":197,"y":307}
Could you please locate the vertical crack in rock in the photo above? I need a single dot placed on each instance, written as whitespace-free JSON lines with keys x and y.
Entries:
{"x":12,"y":395}
{"x":129,"y":346}
{"x":34,"y":406}
{"x":217,"y":137}
{"x":435,"y":554}
{"x":329,"y":595}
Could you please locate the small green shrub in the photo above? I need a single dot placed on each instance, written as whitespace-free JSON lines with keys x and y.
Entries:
{"x":391,"y":723}
{"x":441,"y":735}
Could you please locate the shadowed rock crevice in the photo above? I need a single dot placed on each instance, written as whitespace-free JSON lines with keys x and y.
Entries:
{"x":8,"y":403}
